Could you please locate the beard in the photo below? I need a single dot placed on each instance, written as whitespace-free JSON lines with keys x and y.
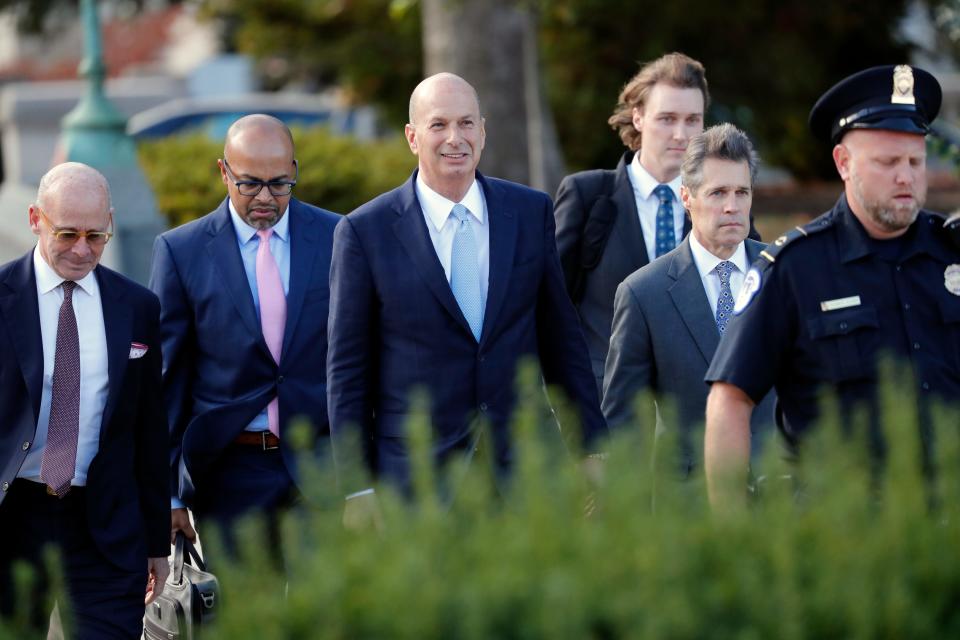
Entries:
{"x":888,"y":215}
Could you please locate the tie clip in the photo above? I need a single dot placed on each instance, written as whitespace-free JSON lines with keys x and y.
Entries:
{"x":840,"y":303}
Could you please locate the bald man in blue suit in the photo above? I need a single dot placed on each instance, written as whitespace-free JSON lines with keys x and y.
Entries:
{"x":446,"y":283}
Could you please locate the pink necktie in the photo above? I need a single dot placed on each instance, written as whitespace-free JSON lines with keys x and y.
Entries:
{"x":273,"y":313}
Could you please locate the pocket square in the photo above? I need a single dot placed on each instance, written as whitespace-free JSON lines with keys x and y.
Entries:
{"x":137,"y":350}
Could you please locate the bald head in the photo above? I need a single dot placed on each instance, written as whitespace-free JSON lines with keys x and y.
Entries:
{"x":258,"y":149}
{"x":73,"y":200}
{"x":443,"y":82}
{"x":258,"y":129}
{"x":73,"y":180}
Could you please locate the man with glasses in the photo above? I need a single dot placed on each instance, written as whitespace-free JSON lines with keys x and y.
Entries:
{"x":83,"y":441}
{"x":243,"y":294}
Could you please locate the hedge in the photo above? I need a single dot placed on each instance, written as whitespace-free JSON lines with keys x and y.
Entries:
{"x":835,"y":550}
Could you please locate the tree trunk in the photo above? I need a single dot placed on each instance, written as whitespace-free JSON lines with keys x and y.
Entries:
{"x":493,"y":46}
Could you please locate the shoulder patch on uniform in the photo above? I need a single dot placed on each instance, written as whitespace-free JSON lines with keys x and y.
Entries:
{"x":769,"y":255}
{"x":751,"y":285}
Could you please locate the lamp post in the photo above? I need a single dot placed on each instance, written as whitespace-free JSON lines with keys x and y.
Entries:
{"x":95,"y":133}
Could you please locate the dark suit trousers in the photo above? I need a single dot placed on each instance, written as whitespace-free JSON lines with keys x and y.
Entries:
{"x":245,"y":481}
{"x":105,"y":601}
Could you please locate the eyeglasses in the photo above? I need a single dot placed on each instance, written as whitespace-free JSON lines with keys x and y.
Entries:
{"x":275,"y":187}
{"x":69,"y":236}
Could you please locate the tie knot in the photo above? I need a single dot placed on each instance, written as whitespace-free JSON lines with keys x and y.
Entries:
{"x":460,"y":212}
{"x":68,"y":287}
{"x":265,"y":234}
{"x":724,"y":269}
{"x":664,"y":193}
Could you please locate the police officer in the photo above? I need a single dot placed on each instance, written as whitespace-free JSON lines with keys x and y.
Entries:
{"x":876,"y":275}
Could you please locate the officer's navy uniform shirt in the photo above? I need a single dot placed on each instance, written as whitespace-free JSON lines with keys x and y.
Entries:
{"x":784,"y":339}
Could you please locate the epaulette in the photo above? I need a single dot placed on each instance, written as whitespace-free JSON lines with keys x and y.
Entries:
{"x":769,"y":255}
{"x":757,"y":273}
{"x":952,"y":225}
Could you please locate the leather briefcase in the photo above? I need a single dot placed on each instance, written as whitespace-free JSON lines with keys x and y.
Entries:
{"x":189,"y":598}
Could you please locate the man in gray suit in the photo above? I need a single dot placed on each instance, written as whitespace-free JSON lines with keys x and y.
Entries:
{"x":670,"y":314}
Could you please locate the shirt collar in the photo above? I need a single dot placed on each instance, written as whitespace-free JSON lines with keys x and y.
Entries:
{"x":438,"y":208}
{"x":245,"y":232}
{"x":707,"y":262}
{"x":48,"y":279}
{"x":644,"y":183}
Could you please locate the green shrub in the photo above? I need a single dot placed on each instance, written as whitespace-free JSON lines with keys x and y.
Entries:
{"x":835,"y":552}
{"x":338,"y":173}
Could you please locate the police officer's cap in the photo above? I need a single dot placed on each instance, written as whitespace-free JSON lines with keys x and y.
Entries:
{"x":893,"y":98}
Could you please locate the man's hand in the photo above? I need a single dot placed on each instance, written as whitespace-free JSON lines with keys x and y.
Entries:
{"x":157,"y":571}
{"x":362,"y":512}
{"x":180,"y":521}
{"x":727,"y":446}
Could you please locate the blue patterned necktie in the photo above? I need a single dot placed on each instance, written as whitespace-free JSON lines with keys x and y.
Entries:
{"x":725,"y":300}
{"x":666,"y":237}
{"x":465,"y":272}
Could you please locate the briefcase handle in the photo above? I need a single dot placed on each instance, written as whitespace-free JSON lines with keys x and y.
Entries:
{"x":184,"y":551}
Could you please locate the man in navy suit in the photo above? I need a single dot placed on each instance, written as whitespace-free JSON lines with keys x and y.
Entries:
{"x":83,"y":441}
{"x":445,"y":283}
{"x":243,"y":294}
{"x":669,"y":315}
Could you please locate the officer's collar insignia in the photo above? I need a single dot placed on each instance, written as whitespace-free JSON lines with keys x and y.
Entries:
{"x":951,"y":279}
{"x":902,"y":85}
{"x":751,"y":284}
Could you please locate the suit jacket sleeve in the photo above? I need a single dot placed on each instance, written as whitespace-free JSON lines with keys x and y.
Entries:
{"x":152,"y":444}
{"x":179,"y":350}
{"x":630,"y":367}
{"x":562,"y":347}
{"x":352,"y":330}
{"x":570,"y":217}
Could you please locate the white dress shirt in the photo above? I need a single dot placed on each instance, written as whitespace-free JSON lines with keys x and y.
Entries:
{"x":94,"y":381}
{"x":707,"y":267}
{"x":442,"y":227}
{"x":647,"y":204}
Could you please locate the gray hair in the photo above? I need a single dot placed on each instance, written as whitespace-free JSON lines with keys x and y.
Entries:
{"x":721,"y":142}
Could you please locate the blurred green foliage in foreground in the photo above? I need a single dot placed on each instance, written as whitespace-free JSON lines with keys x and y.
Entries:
{"x":337,"y":172}
{"x":837,"y":550}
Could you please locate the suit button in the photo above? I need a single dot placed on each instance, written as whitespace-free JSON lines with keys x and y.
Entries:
{"x":6,"y":485}
{"x":25,"y":446}
{"x":483,"y":406}
{"x":482,"y":358}
{"x":279,"y":379}
{"x":843,"y":326}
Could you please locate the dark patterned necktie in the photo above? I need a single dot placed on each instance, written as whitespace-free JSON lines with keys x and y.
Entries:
{"x":666,"y":236}
{"x":60,"y":452}
{"x":725,"y":300}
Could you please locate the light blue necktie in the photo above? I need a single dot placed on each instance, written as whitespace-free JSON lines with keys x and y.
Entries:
{"x":465,"y":272}
{"x":666,"y":237}
{"x":725,"y":300}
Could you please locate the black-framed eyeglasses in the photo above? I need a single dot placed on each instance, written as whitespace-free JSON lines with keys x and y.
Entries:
{"x":275,"y":187}
{"x":69,"y":236}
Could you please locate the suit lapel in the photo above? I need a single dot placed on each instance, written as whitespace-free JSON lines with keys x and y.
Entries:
{"x":21,"y":315}
{"x":628,"y":231}
{"x":304,"y":249}
{"x":503,"y":240}
{"x":691,"y":302}
{"x":118,"y":326}
{"x":411,"y":230}
{"x":225,"y":256}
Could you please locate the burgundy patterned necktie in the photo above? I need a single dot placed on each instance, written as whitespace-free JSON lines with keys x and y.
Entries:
{"x":60,"y":452}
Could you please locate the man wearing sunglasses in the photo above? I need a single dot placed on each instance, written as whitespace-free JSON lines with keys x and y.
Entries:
{"x":83,"y":440}
{"x":243,"y":294}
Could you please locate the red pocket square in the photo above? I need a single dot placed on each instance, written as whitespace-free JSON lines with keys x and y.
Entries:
{"x":138,"y":350}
